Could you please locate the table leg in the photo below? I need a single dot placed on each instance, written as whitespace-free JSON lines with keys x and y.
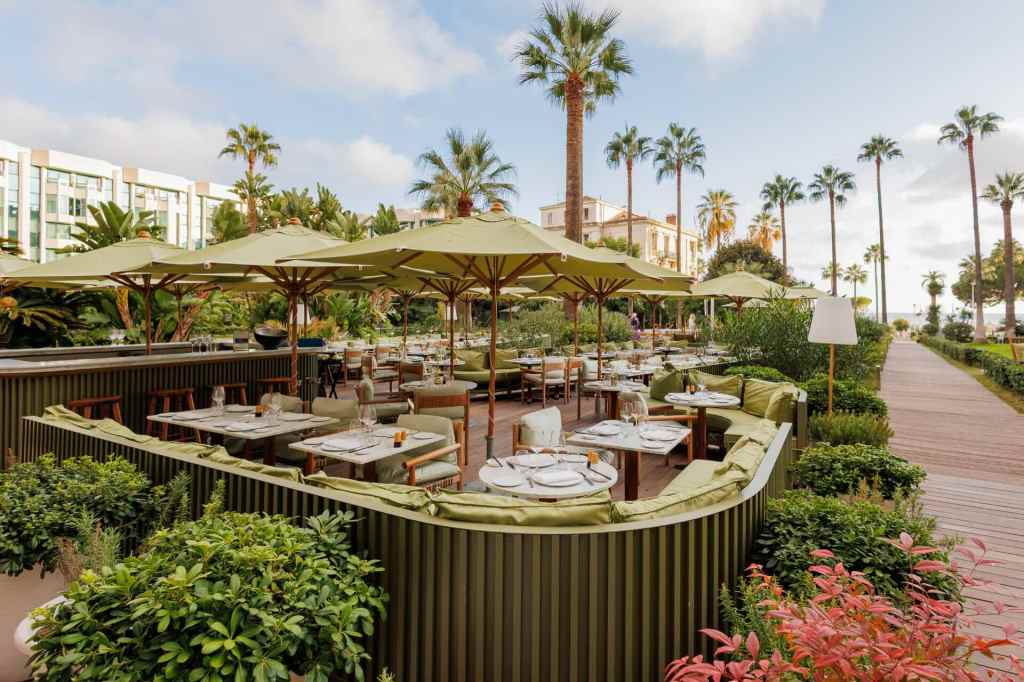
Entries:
{"x":309,"y":467}
{"x":632,"y":472}
{"x":613,"y":404}
{"x":269,"y":457}
{"x":700,"y":445}
{"x":370,"y":472}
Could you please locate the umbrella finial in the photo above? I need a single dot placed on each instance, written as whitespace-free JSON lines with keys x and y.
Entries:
{"x":497,"y":207}
{"x":294,"y":221}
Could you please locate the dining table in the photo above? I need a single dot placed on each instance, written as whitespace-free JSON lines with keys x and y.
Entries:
{"x":365,"y":448}
{"x":610,"y":390}
{"x":551,"y":474}
{"x":700,"y":401}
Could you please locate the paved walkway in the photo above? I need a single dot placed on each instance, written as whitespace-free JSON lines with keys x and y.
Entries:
{"x":972,"y":445}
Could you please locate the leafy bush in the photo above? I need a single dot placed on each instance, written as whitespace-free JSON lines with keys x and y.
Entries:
{"x":849,"y":427}
{"x":848,"y":395}
{"x":755,"y":258}
{"x":1000,"y":369}
{"x":961,"y":332}
{"x":42,"y":500}
{"x":230,"y":596}
{"x":616,"y":326}
{"x":757,"y":372}
{"x":545,"y":325}
{"x":839,"y":469}
{"x":847,"y":631}
{"x":800,"y":522}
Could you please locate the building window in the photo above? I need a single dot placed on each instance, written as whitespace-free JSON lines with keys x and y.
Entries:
{"x":51,"y":203}
{"x":586,"y":214}
{"x":547,"y":217}
{"x":58,"y":231}
{"x":76,"y":207}
{"x":82,"y":181}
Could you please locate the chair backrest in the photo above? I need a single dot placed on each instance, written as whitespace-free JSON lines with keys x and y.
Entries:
{"x":410,"y":371}
{"x":553,"y":368}
{"x":289,"y":403}
{"x":540,"y":428}
{"x":369,"y":364}
{"x":107,"y":407}
{"x":353,"y":358}
{"x":444,"y":400}
{"x":345,"y":411}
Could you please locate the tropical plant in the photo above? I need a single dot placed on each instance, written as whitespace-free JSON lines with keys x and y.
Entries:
{"x":1008,"y":187}
{"x":782,"y":191}
{"x":326,"y":210}
{"x":112,"y":225}
{"x":968,"y":126}
{"x":900,"y":325}
{"x":873,"y":255}
{"x":616,"y":244}
{"x":34,"y":310}
{"x":253,"y":189}
{"x":348,"y":226}
{"x":829,"y":468}
{"x":716,"y":213}
{"x":764,"y":230}
{"x":832,"y":184}
{"x":573,"y":55}
{"x":878,"y":149}
{"x":830,"y":271}
{"x":754,"y":258}
{"x":472,"y":174}
{"x":290,"y":204}
{"x":846,"y":630}
{"x":957,"y":330}
{"x":854,"y":274}
{"x":848,"y":395}
{"x":227,"y":223}
{"x":679,"y":149}
{"x":385,"y":221}
{"x":992,"y":276}
{"x":196,"y":605}
{"x":840,"y":428}
{"x":625,"y":149}
{"x":934,"y":282}
{"x":249,"y":142}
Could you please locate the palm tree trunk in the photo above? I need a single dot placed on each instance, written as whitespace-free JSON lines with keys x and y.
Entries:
{"x":465,"y":206}
{"x":252,"y":200}
{"x":1008,"y":274}
{"x":629,"y":218}
{"x":979,"y":310}
{"x":679,"y":237}
{"x":573,"y":159}
{"x":785,"y":252}
{"x":881,"y":244}
{"x":876,"y":290}
{"x":832,"y":218}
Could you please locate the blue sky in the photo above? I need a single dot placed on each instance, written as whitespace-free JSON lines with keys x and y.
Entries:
{"x":355,"y":89}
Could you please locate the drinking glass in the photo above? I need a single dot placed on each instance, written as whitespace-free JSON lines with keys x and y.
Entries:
{"x":367,"y":417}
{"x":218,"y":400}
{"x":273,"y":412}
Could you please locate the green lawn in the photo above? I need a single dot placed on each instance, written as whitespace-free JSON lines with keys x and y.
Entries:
{"x":997,"y":348}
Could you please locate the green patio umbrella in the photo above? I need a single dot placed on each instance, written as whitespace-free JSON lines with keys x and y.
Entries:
{"x":495,"y":249}
{"x":807,"y":293}
{"x":125,"y":263}
{"x":739,"y":287}
{"x":8,"y":266}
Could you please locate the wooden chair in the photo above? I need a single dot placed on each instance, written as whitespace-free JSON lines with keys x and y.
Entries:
{"x":352,"y":363}
{"x":550,"y":373}
{"x":234,"y":394}
{"x":458,"y":447}
{"x":273,"y":385}
{"x":107,"y":407}
{"x":573,"y":374}
{"x":410,"y":371}
{"x":641,"y":408}
{"x":171,"y":400}
{"x":444,"y":400}
{"x":378,"y":375}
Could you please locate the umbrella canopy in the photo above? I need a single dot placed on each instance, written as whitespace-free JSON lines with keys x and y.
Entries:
{"x":495,"y":248}
{"x":806,"y":293}
{"x":655,"y":297}
{"x":739,"y":285}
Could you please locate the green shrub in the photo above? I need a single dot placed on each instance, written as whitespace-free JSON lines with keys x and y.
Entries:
{"x":849,"y":427}
{"x":757,"y":372}
{"x":800,"y":522}
{"x":42,"y":500}
{"x":1001,"y":370}
{"x":960,"y":332}
{"x":745,"y":611}
{"x":230,"y":596}
{"x":847,"y":396}
{"x":829,"y":469}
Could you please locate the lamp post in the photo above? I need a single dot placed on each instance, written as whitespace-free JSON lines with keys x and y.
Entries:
{"x":832,"y":323}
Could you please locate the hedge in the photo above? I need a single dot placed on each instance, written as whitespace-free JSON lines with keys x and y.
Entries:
{"x":1003,"y":371}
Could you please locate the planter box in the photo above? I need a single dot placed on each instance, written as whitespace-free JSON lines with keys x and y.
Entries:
{"x":18,"y":596}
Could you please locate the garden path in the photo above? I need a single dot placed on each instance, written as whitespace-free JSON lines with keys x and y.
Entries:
{"x":972,"y":445}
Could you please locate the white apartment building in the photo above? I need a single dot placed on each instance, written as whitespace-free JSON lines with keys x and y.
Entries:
{"x":656,"y":238}
{"x":44,"y":192}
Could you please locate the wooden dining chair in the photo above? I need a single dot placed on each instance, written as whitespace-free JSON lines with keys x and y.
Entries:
{"x":352,"y":364}
{"x":410,"y":371}
{"x":171,"y":400}
{"x":550,"y":373}
{"x":444,"y":400}
{"x":273,"y":385}
{"x":234,"y":394}
{"x":107,"y":407}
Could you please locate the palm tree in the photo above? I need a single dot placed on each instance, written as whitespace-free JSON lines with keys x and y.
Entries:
{"x":228,"y":224}
{"x":288,"y":204}
{"x":472,"y":173}
{"x":779,"y":192}
{"x":680,"y":149}
{"x":764,"y":230}
{"x":717,"y":214}
{"x":1007,"y":187}
{"x":872,"y":255}
{"x":113,"y":225}
{"x":574,"y":56}
{"x":829,"y":272}
{"x":832,"y":184}
{"x":855,"y":274}
{"x":385,"y":221}
{"x":967,"y":124}
{"x":878,"y":149}
{"x":934,"y":283}
{"x":348,"y":226}
{"x":248,"y":142}
{"x":625,"y":149}
{"x":255,"y":192}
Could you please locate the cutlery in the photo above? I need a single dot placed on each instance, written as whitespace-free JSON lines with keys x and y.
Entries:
{"x":593,"y":470}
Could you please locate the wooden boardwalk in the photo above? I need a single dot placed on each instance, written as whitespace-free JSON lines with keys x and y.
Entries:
{"x":972,"y":445}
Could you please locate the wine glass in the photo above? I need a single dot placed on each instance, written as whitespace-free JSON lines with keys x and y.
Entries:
{"x":367,"y":417}
{"x":218,"y":400}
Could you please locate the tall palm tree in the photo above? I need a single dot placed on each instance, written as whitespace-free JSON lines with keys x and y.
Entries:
{"x":574,"y":56}
{"x":878,"y":149}
{"x":248,"y":142}
{"x":855,"y":274}
{"x":255,"y":192}
{"x":1007,"y":187}
{"x":872,"y":255}
{"x":113,"y":224}
{"x":832,"y":184}
{"x":680,"y":149}
{"x":829,"y":272}
{"x":782,"y":191}
{"x":472,"y":173}
{"x":625,"y":149}
{"x":966,"y":126}
{"x":717,"y":214}
{"x":934,"y":282}
{"x":764,"y":230}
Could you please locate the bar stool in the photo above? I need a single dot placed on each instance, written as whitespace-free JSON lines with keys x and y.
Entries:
{"x":107,"y":407}
{"x":171,"y":400}
{"x":273,"y":385}
{"x":234,"y":394}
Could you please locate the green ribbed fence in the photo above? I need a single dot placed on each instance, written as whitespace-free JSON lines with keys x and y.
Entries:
{"x":483,"y":602}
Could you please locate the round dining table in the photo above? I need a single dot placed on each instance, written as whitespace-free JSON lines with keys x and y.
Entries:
{"x":509,"y":477}
{"x":701,"y":401}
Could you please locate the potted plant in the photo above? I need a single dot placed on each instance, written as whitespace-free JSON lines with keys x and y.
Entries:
{"x":229,"y":596}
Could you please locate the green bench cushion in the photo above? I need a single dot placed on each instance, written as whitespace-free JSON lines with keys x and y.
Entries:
{"x":471,"y":360}
{"x":697,"y":473}
{"x":756,"y":395}
{"x":733,"y":423}
{"x":665,"y":382}
{"x":503,"y":358}
{"x":396,"y":495}
{"x":718,"y":489}
{"x":745,"y":456}
{"x":220,"y":456}
{"x":730,"y":385}
{"x":782,"y":406}
{"x":513,"y":511}
{"x":502,"y":377}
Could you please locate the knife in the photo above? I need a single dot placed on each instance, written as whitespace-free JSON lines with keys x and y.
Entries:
{"x":601,"y":474}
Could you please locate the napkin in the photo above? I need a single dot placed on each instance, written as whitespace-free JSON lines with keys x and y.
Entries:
{"x":557,"y":477}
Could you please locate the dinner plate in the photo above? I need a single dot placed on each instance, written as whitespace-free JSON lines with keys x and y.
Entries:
{"x":243,"y":426}
{"x":605,"y":430}
{"x":387,"y":431}
{"x":345,"y":443}
{"x":238,"y":408}
{"x":661,"y":434}
{"x":574,"y":458}
{"x":533,"y":461}
{"x":293,"y":417}
{"x":508,"y":479}
{"x":320,"y":420}
{"x":558,"y":479}
{"x":313,"y":441}
{"x":187,"y":416}
{"x":424,"y":435}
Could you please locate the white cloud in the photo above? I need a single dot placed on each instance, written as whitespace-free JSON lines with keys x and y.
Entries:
{"x":719,"y":29}
{"x":507,"y":46}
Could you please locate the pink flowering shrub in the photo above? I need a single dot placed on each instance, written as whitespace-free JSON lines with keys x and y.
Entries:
{"x":847,"y":631}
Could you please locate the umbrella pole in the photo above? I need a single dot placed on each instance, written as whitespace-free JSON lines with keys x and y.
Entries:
{"x":576,"y":326}
{"x":178,"y":296}
{"x":654,"y":325}
{"x":600,"y":334}
{"x":491,"y":382}
{"x":147,"y":295}
{"x":305,"y":315}
{"x":405,"y":319}
{"x":293,"y":323}
{"x":451,"y":338}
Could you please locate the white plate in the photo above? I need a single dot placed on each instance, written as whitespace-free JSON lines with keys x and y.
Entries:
{"x":188,"y":416}
{"x":533,"y":461}
{"x":346,"y":443}
{"x":558,"y":479}
{"x":573,"y":458}
{"x":605,"y":430}
{"x":320,"y":420}
{"x":661,"y":434}
{"x":238,"y":408}
{"x":243,"y":426}
{"x":387,"y":431}
{"x":424,"y":435}
{"x":313,"y":441}
{"x":293,"y":417}
{"x":508,"y":479}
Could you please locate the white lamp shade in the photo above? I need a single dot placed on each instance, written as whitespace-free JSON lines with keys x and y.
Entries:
{"x":832,"y":322}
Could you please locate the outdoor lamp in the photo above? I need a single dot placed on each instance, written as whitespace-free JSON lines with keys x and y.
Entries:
{"x":832,"y":323}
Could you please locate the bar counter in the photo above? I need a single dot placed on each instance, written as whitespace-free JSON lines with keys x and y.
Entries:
{"x":31,"y":379}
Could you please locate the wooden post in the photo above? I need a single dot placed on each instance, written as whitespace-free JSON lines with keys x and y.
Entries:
{"x":492,"y":380}
{"x":293,"y":323}
{"x":600,"y":334}
{"x":147,"y":294}
{"x":831,"y":372}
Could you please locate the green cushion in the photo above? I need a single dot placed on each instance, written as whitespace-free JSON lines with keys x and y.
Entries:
{"x":745,"y":456}
{"x":733,"y":423}
{"x":665,"y":382}
{"x":513,"y":511}
{"x":288,"y":473}
{"x":697,"y":473}
{"x":756,"y":395}
{"x":764,"y":433}
{"x":541,"y":428}
{"x":781,"y":406}
{"x":471,"y":360}
{"x":502,"y":377}
{"x":503,"y":359}
{"x":609,"y":345}
{"x":404,"y":496}
{"x":186,"y":448}
{"x":730,"y":385}
{"x":716,"y":490}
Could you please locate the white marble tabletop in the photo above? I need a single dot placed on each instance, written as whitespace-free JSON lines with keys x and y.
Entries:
{"x":243,"y":424}
{"x":379,"y":445}
{"x":606,"y":386}
{"x":629,"y":437}
{"x":702,"y":399}
{"x":411,"y":386}
{"x":506,"y":476}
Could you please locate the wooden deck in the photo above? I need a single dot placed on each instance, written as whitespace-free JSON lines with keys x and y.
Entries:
{"x":972,"y":445}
